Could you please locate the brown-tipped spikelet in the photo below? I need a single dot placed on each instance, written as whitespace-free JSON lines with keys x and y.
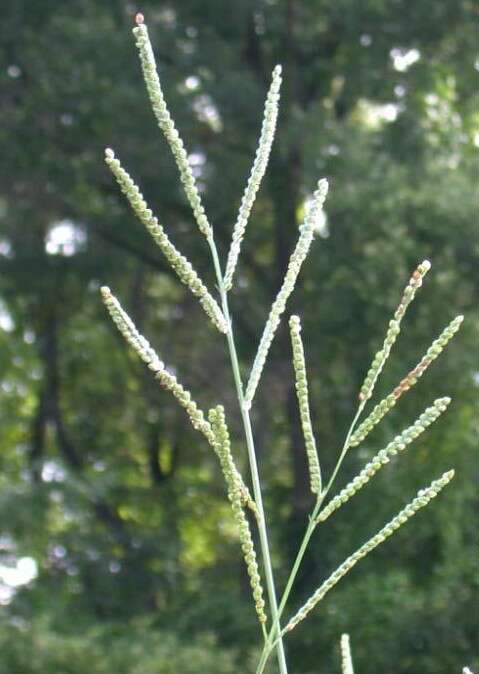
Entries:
{"x":383,"y":407}
{"x":415,"y":282}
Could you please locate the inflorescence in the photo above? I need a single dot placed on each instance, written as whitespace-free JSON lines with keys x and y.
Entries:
{"x":215,"y":428}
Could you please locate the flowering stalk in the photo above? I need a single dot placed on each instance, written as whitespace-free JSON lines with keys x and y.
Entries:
{"x":142,"y":347}
{"x":257,"y":172}
{"x":423,"y":497}
{"x":296,"y":260}
{"x":178,"y":262}
{"x":167,"y":125}
{"x":303,"y":401}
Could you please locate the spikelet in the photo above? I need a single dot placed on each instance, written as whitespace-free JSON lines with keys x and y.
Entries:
{"x":383,"y":407}
{"x":303,"y":402}
{"x":178,"y":262}
{"x":432,"y":353}
{"x":415,"y":282}
{"x":423,"y":497}
{"x":346,"y":657}
{"x":296,"y":260}
{"x":257,"y":172}
{"x":168,"y":128}
{"x":222,"y":441}
{"x":399,"y":443}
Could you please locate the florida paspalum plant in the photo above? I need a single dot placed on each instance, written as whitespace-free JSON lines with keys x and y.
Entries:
{"x":246,"y":504}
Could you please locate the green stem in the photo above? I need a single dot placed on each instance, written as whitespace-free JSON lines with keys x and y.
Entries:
{"x":313,"y":521}
{"x":345,"y":449}
{"x":276,"y":628}
{"x":262,"y":530}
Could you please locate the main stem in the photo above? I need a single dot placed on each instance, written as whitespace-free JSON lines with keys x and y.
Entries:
{"x":262,"y":530}
{"x":313,"y":522}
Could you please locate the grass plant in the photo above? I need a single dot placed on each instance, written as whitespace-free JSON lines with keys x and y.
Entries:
{"x":247,"y":502}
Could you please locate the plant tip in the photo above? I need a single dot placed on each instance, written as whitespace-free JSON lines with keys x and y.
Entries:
{"x":426,"y":265}
{"x":323,"y":187}
{"x":109,"y":154}
{"x":105,"y":291}
{"x":139,"y":19}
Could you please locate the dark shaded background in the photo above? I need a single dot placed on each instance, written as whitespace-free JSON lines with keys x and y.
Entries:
{"x":107,"y":495}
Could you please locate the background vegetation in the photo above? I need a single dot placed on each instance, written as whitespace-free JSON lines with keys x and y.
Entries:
{"x":110,"y":505}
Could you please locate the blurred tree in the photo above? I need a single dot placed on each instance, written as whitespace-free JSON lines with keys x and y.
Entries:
{"x":103,"y":483}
